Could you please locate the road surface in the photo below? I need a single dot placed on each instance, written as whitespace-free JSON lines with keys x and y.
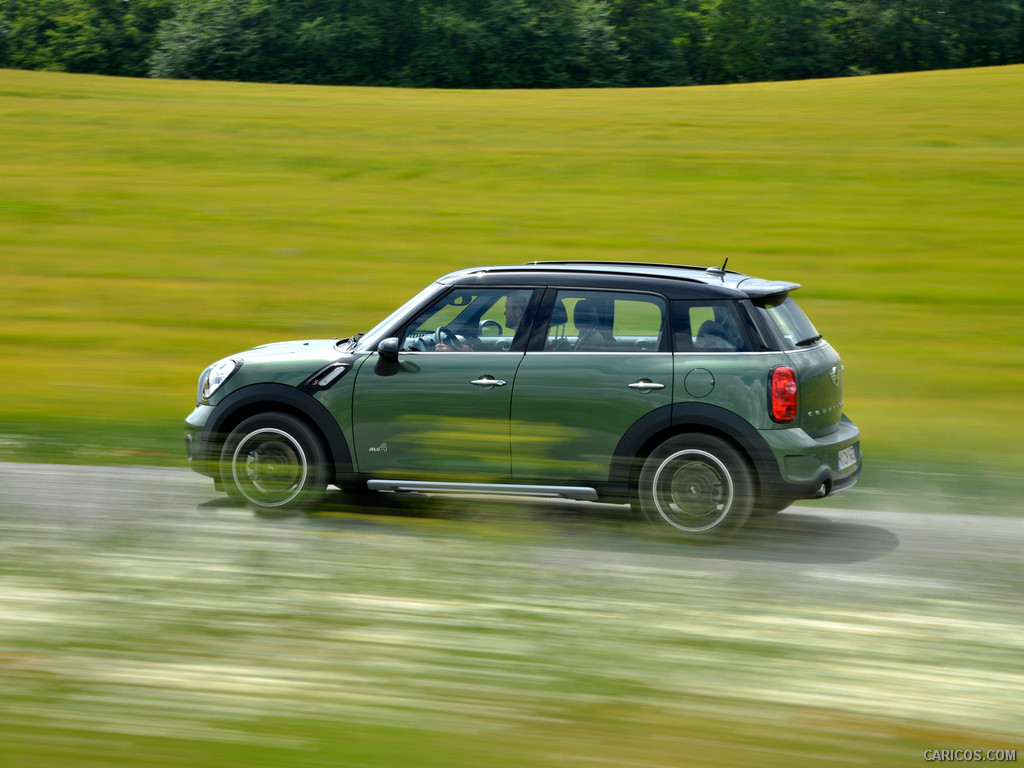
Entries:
{"x":136,"y":601}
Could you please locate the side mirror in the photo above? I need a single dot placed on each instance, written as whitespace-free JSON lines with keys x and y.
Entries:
{"x":387,"y":358}
{"x":388,"y":350}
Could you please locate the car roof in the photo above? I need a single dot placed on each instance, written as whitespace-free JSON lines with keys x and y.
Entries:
{"x":675,"y":280}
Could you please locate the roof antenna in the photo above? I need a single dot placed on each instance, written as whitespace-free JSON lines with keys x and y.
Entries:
{"x":719,"y":271}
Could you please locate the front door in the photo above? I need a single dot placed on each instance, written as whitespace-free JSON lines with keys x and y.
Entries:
{"x":444,"y":414}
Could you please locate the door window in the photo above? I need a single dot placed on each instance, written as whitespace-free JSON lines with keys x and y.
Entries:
{"x":466,"y":320}
{"x":603,"y":321}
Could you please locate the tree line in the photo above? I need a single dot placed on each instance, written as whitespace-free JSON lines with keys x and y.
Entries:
{"x":507,"y":43}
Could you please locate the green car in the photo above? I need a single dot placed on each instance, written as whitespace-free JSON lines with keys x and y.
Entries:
{"x":700,"y":396}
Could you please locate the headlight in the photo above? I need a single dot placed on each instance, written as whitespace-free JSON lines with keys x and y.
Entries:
{"x":214,"y":376}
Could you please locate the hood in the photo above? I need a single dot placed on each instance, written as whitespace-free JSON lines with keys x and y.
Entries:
{"x":312,"y":350}
{"x":286,"y":362}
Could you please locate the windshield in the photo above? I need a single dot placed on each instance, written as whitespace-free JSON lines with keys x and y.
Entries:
{"x":369,"y":341}
{"x":784,"y":313}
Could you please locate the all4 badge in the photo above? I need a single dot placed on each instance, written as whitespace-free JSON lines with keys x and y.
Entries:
{"x":382,"y":448}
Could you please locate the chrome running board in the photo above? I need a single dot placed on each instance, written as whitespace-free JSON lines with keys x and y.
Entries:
{"x":493,"y":489}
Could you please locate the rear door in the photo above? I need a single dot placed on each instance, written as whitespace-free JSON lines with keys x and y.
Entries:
{"x":601,"y":362}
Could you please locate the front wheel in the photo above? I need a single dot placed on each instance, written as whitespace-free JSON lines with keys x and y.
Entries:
{"x":696,"y":485}
{"x":274,"y":462}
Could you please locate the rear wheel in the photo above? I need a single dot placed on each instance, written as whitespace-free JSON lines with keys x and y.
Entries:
{"x":697,"y":486}
{"x":274,"y":462}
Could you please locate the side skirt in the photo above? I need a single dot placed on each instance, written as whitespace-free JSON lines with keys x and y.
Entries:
{"x":493,"y":489}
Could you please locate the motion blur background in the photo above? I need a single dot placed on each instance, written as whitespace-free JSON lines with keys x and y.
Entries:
{"x":148,"y":228}
{"x":151,"y":227}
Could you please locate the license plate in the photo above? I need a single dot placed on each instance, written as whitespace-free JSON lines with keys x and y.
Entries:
{"x":847,"y":458}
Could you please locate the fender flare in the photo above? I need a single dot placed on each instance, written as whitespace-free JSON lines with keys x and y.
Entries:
{"x":257,"y":398}
{"x":682,"y":417}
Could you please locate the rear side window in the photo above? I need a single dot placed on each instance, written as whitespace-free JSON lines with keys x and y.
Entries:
{"x":712,"y":326}
{"x":784,"y":315}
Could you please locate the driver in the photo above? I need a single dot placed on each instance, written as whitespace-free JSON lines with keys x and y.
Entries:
{"x":515,"y":308}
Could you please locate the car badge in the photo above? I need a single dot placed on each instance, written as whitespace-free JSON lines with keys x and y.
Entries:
{"x":834,"y":375}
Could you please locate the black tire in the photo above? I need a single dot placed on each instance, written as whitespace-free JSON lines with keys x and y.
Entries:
{"x":274,"y":462}
{"x":697,"y":486}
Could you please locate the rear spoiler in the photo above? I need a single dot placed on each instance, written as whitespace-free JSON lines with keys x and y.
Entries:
{"x":757,"y":288}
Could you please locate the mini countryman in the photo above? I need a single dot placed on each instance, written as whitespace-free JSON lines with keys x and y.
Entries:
{"x":698,"y":395}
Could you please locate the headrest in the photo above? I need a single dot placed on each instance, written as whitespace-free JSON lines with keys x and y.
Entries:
{"x":558,"y":314}
{"x":584,"y":314}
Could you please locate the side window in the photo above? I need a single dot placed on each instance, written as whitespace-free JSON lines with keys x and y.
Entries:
{"x":709,"y":327}
{"x":602,"y":321}
{"x":466,"y":320}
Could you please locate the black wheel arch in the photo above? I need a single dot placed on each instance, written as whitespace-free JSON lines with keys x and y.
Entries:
{"x":668,"y":421}
{"x":270,"y":397}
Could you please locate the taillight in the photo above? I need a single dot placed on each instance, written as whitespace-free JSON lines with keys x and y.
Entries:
{"x":782,"y":394}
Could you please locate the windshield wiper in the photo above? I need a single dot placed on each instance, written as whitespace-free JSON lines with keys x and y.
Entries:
{"x":810,"y":340}
{"x":353,"y":340}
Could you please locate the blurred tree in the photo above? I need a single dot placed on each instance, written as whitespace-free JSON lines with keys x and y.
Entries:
{"x":598,"y":61}
{"x":109,"y":37}
{"x":983,"y":32}
{"x":213,"y":39}
{"x":507,"y":43}
{"x":661,"y":40}
{"x":890,"y":35}
{"x":137,"y":34}
{"x":452,"y":48}
{"x":61,"y":35}
{"x":529,"y":43}
{"x":768,"y":40}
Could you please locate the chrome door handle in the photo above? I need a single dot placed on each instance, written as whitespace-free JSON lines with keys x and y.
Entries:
{"x":645,"y":385}
{"x":488,"y":382}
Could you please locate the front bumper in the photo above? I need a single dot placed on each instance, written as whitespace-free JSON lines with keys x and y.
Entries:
{"x":198,"y":450}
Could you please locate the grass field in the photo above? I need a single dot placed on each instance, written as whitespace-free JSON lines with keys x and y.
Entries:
{"x":150,"y":227}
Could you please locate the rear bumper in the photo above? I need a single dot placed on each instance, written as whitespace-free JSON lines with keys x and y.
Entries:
{"x":812,"y":467}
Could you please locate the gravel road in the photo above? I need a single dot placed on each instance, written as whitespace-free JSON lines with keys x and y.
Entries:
{"x":470,"y":615}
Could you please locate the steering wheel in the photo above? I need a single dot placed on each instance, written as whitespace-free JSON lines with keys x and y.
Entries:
{"x":490,"y":324}
{"x":446,"y":336}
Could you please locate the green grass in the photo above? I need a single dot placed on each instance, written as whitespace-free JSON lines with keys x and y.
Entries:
{"x":150,"y":227}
